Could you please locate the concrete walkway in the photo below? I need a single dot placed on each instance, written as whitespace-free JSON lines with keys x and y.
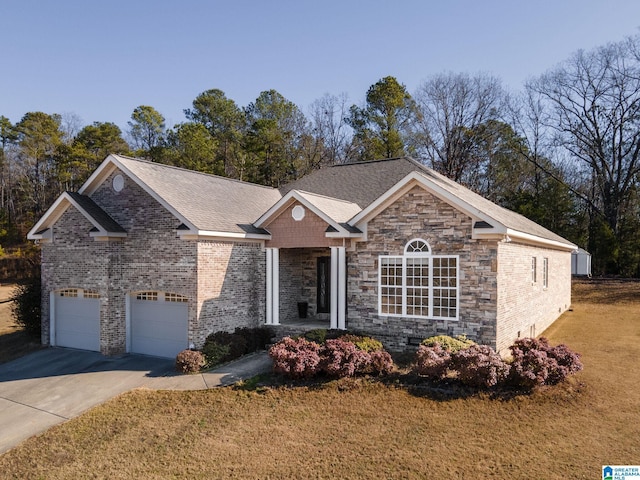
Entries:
{"x":53,"y":385}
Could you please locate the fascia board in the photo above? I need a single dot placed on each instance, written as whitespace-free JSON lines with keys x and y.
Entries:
{"x":50,"y":217}
{"x":539,"y":241}
{"x":105,"y":169}
{"x":196,"y":234}
{"x":409,"y":182}
{"x":276,"y":208}
{"x":287,"y":200}
{"x":343,"y":235}
{"x":101,"y":231}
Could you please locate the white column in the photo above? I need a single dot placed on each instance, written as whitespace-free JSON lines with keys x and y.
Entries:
{"x":342,"y":288}
{"x":273,"y":287}
{"x":52,"y":318}
{"x":269,"y":292}
{"x":334,"y":287}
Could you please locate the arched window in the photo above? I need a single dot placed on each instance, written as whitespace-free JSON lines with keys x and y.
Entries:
{"x":417,"y":246}
{"x":418,"y":283}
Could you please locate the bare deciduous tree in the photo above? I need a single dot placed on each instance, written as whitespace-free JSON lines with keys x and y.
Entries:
{"x":451,"y":105}
{"x":593,"y":100}
{"x":328,"y":115}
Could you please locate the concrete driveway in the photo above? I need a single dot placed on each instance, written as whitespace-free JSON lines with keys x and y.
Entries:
{"x":53,"y":385}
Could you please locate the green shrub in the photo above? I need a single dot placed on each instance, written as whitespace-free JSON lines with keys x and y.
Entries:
{"x":366,"y":344}
{"x":318,"y":335}
{"x":214,"y":353}
{"x":256,"y":338}
{"x":450,"y":344}
{"x":26,"y":308}
{"x":236,"y":345}
{"x":189,"y":361}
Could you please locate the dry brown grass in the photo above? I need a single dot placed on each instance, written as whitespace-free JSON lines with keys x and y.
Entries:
{"x":363,"y":429}
{"x":14,"y":342}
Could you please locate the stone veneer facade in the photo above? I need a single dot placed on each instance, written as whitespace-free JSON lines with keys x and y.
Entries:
{"x":419,"y":214}
{"x":498,"y":302}
{"x":223,"y":281}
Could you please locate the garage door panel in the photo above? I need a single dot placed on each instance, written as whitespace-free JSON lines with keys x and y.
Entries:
{"x":77,"y":323}
{"x":158,"y":327}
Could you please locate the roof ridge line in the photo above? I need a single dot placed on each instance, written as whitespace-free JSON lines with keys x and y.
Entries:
{"x":163,"y":165}
{"x":323,"y":196}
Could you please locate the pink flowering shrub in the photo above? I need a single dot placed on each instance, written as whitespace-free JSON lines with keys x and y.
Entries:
{"x":536,"y":362}
{"x":380,"y":363}
{"x":479,"y":366}
{"x":341,"y":358}
{"x":338,"y":357}
{"x":432,"y":362}
{"x":189,"y":361}
{"x":296,"y":358}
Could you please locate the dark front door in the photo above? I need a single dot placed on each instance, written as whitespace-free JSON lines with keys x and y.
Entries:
{"x":324,"y":285}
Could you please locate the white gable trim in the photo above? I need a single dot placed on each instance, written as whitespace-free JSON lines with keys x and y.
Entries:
{"x":497,"y":231}
{"x":53,"y":214}
{"x":292,"y":197}
{"x":107,"y":167}
{"x":406,"y":184}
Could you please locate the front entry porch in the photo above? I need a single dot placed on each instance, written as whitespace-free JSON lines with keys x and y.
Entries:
{"x":314,"y":277}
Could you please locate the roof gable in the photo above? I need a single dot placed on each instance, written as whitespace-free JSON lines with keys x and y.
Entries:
{"x":205,"y":204}
{"x":333,"y":211}
{"x":104,"y":227}
{"x":490,"y":219}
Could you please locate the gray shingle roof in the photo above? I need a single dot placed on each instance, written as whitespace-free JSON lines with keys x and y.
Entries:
{"x":209,"y":202}
{"x":364,"y":182}
{"x":213,"y":203}
{"x":101,"y":217}
{"x":360,"y":183}
{"x":508,"y":218}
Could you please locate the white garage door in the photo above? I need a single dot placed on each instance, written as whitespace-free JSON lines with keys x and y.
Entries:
{"x":158,"y":323}
{"x":77,"y":319}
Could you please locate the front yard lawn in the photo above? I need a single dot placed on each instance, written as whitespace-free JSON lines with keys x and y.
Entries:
{"x":365,"y":429}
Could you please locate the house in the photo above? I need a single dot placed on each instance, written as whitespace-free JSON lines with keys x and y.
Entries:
{"x":148,"y":258}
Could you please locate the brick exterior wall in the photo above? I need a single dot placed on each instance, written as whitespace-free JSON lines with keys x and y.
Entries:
{"x":419,"y":214}
{"x":526,"y":308}
{"x":231,"y":287}
{"x":152,"y":258}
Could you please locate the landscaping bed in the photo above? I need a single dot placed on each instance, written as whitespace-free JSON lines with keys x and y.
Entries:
{"x":361,"y":427}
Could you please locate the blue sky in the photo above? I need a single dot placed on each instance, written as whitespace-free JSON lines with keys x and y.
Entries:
{"x":100,"y":59}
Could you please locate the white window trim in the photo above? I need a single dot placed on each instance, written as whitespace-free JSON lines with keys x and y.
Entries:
{"x":534,"y":270}
{"x":545,"y":273}
{"x":430,"y":288}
